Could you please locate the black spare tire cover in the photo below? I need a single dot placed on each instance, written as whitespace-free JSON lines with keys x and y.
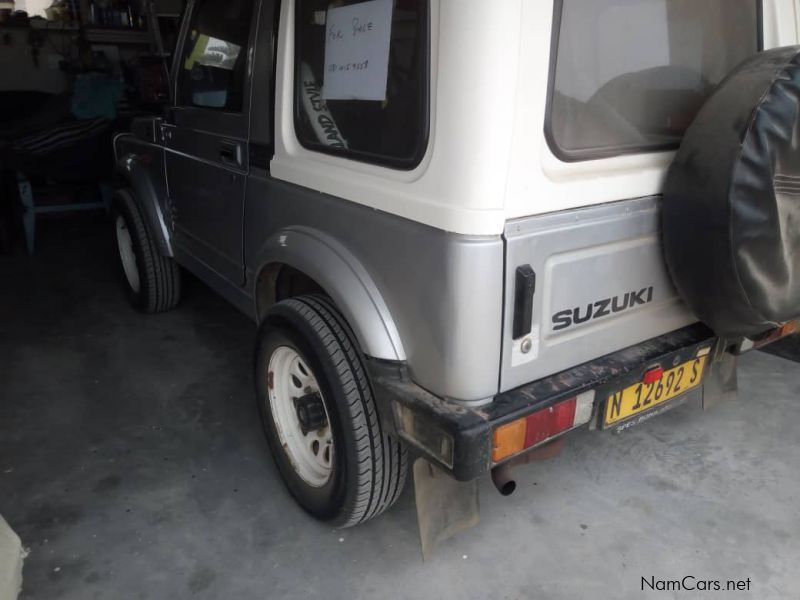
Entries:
{"x":731,"y":209}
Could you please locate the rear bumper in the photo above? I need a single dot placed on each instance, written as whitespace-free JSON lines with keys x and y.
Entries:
{"x":458,"y":438}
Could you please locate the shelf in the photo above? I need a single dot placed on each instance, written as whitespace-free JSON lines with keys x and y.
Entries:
{"x":94,"y":34}
{"x":110,"y":35}
{"x":44,"y":25}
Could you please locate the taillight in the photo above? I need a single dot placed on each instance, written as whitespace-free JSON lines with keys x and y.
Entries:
{"x":787,"y":329}
{"x":549,"y":422}
{"x":538,"y":427}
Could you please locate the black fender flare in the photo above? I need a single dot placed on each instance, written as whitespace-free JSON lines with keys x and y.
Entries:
{"x":143,"y":171}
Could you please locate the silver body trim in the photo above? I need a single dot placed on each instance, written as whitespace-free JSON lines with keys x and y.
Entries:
{"x":408,"y":290}
{"x":335,"y":269}
{"x":436,"y":300}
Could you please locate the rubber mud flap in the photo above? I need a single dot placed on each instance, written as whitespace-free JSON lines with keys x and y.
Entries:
{"x":731,"y":210}
{"x":444,"y":506}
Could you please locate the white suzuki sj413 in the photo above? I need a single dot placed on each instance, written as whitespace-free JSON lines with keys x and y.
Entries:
{"x":467,"y":228}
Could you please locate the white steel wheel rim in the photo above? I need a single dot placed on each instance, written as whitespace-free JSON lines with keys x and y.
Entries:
{"x":310,"y":453}
{"x":127,"y":255}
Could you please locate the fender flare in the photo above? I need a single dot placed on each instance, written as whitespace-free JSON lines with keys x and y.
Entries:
{"x":343,"y":278}
{"x":148,"y":191}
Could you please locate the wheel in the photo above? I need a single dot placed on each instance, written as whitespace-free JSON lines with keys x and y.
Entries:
{"x":153,"y":281}
{"x":320,"y":417}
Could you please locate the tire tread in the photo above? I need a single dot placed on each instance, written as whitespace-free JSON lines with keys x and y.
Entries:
{"x":161,"y":285}
{"x":378,"y":486}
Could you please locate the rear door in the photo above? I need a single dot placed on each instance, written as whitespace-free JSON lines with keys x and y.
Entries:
{"x":627,"y":77}
{"x":596,"y":282}
{"x":207,"y":140}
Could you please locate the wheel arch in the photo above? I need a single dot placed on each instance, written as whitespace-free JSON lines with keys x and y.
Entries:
{"x":142,"y":169}
{"x":328,"y":264}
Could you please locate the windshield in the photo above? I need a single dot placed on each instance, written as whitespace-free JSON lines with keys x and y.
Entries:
{"x":632,"y":74}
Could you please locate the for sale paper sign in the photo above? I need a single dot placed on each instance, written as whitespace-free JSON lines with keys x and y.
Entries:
{"x":357,"y":51}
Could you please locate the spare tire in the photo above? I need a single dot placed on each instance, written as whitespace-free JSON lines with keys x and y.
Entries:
{"x":731,"y":210}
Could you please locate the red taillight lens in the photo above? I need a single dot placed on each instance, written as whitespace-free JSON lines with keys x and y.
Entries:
{"x":549,"y":422}
{"x":653,"y":375}
{"x":514,"y":437}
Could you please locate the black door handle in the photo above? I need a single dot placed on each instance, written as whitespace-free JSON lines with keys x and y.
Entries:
{"x":229,"y":153}
{"x":524,"y":288}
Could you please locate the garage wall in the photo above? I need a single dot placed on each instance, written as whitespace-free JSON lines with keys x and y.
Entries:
{"x":33,"y":7}
{"x":18,"y":69}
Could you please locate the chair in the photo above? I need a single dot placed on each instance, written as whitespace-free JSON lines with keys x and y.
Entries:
{"x":77,"y":155}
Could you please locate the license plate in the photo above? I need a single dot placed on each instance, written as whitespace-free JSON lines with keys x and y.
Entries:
{"x":644,"y":396}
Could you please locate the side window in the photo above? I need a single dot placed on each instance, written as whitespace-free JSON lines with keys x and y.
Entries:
{"x":213,"y":64}
{"x":361,"y":79}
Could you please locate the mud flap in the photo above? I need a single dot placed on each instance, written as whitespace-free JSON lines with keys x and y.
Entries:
{"x":721,"y":381}
{"x":444,"y":506}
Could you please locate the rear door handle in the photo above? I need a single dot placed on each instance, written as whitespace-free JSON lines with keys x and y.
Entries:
{"x":230,"y":154}
{"x":524,"y":289}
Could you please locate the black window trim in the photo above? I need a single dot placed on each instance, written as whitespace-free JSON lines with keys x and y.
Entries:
{"x":367,"y":157}
{"x":178,"y":60}
{"x":574,"y":156}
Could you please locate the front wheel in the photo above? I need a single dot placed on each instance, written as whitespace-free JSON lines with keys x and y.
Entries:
{"x":320,"y":417}
{"x":152,"y":281}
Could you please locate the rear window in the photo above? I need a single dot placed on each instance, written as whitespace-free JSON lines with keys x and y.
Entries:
{"x":631,"y":75}
{"x":361,"y":79}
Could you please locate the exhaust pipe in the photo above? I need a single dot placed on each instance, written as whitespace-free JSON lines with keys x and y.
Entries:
{"x":503,"y":480}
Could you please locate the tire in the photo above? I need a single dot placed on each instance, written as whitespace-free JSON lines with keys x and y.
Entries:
{"x":368,"y":465}
{"x":152,"y":281}
{"x":732,"y":201}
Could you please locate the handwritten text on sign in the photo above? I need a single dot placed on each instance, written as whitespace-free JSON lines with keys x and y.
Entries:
{"x":357,"y":51}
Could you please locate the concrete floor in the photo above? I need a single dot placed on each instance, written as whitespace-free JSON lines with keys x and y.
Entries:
{"x":132,"y":465}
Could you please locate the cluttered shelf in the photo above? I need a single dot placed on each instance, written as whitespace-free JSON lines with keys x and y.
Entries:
{"x":117,"y":35}
{"x":92,"y":34}
{"x":121,"y":22}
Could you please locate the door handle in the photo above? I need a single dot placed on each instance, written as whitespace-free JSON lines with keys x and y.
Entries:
{"x":230,"y":154}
